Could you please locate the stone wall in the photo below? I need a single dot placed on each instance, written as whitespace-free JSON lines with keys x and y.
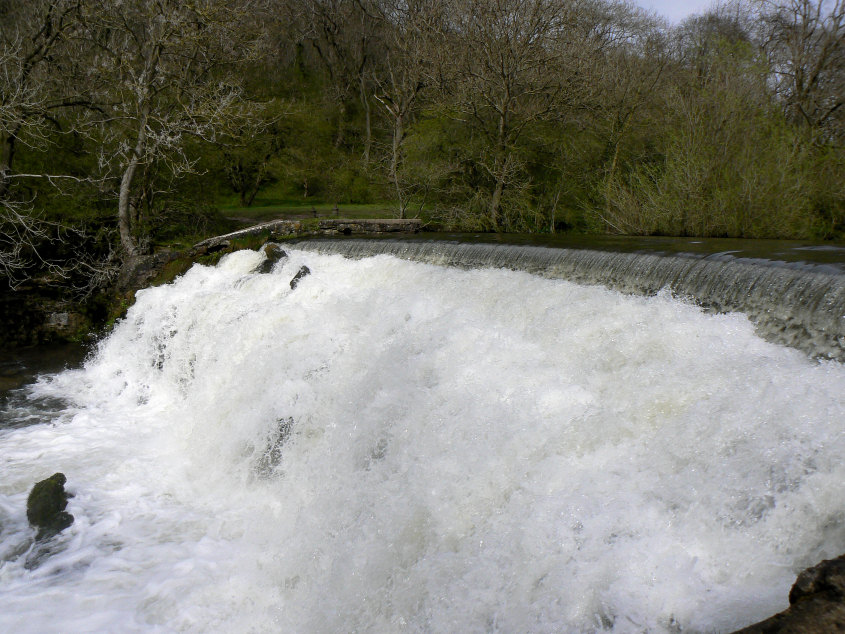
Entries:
{"x":324,"y":227}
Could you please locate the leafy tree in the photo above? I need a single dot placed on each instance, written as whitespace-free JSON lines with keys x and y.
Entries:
{"x":406,"y":68}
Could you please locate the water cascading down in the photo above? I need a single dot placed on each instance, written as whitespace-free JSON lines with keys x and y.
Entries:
{"x":440,"y":438}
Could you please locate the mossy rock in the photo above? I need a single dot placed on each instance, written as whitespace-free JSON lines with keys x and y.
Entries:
{"x":272,"y":253}
{"x":45,"y":506}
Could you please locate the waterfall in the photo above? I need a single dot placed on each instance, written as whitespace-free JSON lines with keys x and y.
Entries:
{"x":398,"y":446}
{"x":798,"y":305}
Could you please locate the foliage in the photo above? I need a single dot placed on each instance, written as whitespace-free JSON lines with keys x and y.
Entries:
{"x":142,"y":120}
{"x":732,"y":165}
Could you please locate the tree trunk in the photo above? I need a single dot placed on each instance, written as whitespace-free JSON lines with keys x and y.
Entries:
{"x":341,"y":125}
{"x":124,"y":206}
{"x":7,"y":154}
{"x":398,"y":134}
{"x":247,"y":198}
{"x":499,"y":168}
{"x":368,"y":130}
{"x":610,"y":175}
{"x":554,"y":210}
{"x":496,"y":200}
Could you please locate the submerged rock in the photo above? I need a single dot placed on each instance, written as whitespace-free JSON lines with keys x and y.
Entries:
{"x":271,"y":456}
{"x":273,"y":253}
{"x":303,"y":271}
{"x":45,"y":506}
{"x":816,"y":603}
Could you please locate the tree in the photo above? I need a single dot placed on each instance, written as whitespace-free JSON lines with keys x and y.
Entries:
{"x":402,"y":76}
{"x":37,"y":56}
{"x":730,"y":163}
{"x":627,"y":77}
{"x":167,"y":72}
{"x":515,"y":63}
{"x":805,"y":40}
{"x":342,"y":34}
{"x":249,"y":147}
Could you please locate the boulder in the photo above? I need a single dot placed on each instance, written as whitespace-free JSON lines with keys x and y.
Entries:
{"x":45,"y":506}
{"x":272,"y":253}
{"x":138,"y":271}
{"x":816,"y":603}
{"x":303,"y":271}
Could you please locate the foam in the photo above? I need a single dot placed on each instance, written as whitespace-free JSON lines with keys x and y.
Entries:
{"x":400,"y":446}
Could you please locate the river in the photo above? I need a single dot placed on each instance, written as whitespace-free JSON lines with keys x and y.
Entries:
{"x":397,"y":445}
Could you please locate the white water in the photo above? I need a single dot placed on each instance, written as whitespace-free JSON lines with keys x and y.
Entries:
{"x":395,"y":446}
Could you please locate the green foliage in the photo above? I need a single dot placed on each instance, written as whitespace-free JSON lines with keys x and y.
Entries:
{"x":350,"y":185}
{"x":706,"y":150}
{"x":185,"y":222}
{"x":772,"y":184}
{"x":731,"y":166}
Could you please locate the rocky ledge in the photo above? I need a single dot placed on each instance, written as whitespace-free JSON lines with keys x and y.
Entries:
{"x":324,"y":227}
{"x":816,"y":603}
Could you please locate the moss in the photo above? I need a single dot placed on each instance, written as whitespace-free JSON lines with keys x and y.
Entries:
{"x":45,"y":506}
{"x":82,"y":333}
{"x":172,"y":270}
{"x":114,"y":308}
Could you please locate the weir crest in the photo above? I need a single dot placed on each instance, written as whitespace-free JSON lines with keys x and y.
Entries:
{"x":802,"y":306}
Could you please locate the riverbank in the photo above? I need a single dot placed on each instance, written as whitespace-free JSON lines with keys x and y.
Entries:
{"x":42,"y":313}
{"x":23,"y":365}
{"x":38,"y":314}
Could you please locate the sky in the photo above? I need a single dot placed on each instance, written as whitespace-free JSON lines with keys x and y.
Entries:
{"x":676,"y":10}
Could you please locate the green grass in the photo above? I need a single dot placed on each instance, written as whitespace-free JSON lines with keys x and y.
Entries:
{"x":272,"y":209}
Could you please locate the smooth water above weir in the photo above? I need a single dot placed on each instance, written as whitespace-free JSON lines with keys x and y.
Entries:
{"x":801,"y":304}
{"x":797,"y":253}
{"x":398,"y":446}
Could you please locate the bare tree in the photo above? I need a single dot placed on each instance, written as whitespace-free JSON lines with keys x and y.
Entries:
{"x":517,"y":63}
{"x":342,"y":33}
{"x":167,"y":68}
{"x":627,"y":76}
{"x":37,"y":57}
{"x":249,"y":148}
{"x":805,"y":40}
{"x":401,"y":77}
{"x":32,"y":44}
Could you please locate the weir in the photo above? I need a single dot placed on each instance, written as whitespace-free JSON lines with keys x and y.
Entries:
{"x":476,"y":449}
{"x":797,"y":304}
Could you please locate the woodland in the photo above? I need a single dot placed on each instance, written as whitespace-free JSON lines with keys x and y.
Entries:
{"x":130,"y":124}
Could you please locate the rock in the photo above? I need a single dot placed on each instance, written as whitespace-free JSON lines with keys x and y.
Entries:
{"x":274,"y":227}
{"x":65,"y":324}
{"x":333,"y":226}
{"x":273,"y":253}
{"x":826,"y":579}
{"x":139,"y":270}
{"x":34,"y":314}
{"x":816,"y":603}
{"x":45,"y":506}
{"x":303,"y":271}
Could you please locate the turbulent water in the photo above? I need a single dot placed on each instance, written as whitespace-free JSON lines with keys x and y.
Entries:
{"x":801,"y":304}
{"x":398,"y":446}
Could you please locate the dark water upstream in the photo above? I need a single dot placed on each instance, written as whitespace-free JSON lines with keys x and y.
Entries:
{"x":431,"y":436}
{"x":796,"y":253}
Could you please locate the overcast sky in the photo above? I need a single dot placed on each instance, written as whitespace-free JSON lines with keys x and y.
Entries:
{"x":676,"y":10}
